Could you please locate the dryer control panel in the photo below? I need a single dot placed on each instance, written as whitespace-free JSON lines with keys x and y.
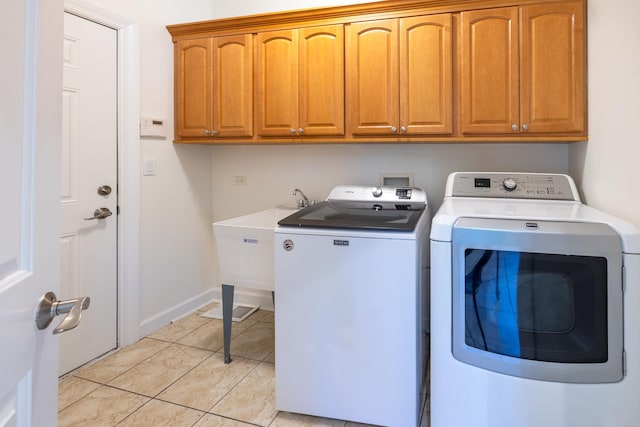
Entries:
{"x":515,"y":185}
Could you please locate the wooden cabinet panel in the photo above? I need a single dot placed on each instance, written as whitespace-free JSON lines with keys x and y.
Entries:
{"x":193,"y":106}
{"x":300,"y":80}
{"x":522,"y":70}
{"x":373,"y":77}
{"x":400,"y":81}
{"x":425,"y":75}
{"x":277,"y":83}
{"x":233,"y":86}
{"x":322,"y":80}
{"x":489,"y":78}
{"x":552,"y":67}
{"x":214,"y":87}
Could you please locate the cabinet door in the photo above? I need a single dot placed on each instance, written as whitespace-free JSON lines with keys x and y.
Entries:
{"x":552,"y":67}
{"x":489,"y":77}
{"x":233,"y":86}
{"x":425,"y":75}
{"x":193,"y":109}
{"x":277,"y":83}
{"x":372,"y":56}
{"x":322,"y":80}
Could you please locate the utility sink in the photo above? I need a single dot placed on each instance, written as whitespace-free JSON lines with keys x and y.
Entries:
{"x":245,"y":248}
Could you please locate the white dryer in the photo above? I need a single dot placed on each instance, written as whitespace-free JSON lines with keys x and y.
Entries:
{"x":535,"y":305}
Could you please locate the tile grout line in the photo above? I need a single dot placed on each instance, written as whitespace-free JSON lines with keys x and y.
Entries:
{"x":169,"y":342}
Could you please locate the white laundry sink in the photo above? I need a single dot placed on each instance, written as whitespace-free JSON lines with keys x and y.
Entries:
{"x":245,"y":248}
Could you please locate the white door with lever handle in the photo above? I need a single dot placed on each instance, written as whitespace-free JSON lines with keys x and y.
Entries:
{"x":89,"y":190}
{"x":29,"y":248}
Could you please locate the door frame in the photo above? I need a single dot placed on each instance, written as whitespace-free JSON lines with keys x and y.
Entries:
{"x":128,"y":104}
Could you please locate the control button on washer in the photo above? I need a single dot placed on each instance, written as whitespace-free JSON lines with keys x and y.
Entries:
{"x":509,"y":184}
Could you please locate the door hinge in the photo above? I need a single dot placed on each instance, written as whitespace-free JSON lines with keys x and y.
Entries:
{"x":117,"y":210}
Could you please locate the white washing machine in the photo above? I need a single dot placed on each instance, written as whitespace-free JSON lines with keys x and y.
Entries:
{"x":535,"y":307}
{"x":351,"y":301}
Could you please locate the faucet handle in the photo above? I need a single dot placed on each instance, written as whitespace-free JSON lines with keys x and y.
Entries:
{"x":301,"y":203}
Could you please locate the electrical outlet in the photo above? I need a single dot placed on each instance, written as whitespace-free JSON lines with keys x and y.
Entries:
{"x":239,"y":180}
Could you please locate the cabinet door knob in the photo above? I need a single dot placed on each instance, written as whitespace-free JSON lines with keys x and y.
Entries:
{"x":213,"y":132}
{"x":394,"y":129}
{"x":525,"y":127}
{"x":292,"y":131}
{"x":300,"y":131}
{"x":403,"y":129}
{"x":207,"y":132}
{"x":514,"y":128}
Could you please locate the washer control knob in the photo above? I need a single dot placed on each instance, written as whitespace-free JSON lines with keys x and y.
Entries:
{"x":377,"y":191}
{"x":509,"y":184}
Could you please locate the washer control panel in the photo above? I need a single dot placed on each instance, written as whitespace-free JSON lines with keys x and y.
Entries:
{"x":512,"y":185}
{"x":382,"y":197}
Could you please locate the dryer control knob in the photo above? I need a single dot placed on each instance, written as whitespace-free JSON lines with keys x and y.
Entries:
{"x":509,"y":184}
{"x":377,"y":191}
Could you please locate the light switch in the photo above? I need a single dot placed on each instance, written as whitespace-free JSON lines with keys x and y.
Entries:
{"x":149,"y":166}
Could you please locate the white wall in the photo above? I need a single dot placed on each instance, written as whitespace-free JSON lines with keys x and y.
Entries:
{"x":273,"y":172}
{"x":607,"y":166}
{"x":226,"y":9}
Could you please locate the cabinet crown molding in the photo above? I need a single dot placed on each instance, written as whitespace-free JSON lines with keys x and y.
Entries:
{"x":332,"y":15}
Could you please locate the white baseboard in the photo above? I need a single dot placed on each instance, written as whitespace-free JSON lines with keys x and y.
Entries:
{"x":153,"y":323}
{"x":255,"y":297}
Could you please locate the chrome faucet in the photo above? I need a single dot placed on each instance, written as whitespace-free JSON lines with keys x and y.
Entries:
{"x":304,"y":202}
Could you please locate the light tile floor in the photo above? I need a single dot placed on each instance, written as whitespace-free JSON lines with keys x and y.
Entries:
{"x":177,"y":377}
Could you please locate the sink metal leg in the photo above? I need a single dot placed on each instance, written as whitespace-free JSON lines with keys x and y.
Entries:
{"x":227,"y":318}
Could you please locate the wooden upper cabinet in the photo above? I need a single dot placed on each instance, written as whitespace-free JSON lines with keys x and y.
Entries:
{"x":192,"y":75}
{"x":489,"y":78}
{"x":552,"y":67}
{"x":321,"y":74}
{"x":214,"y":87}
{"x":522,"y":70}
{"x":373,"y":77}
{"x":385,"y":71}
{"x":425,"y":75}
{"x":277,"y":83}
{"x":300,"y":82}
{"x":399,"y":75}
{"x":233,"y":86}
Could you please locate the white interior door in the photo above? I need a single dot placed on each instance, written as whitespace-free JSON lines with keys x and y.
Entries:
{"x":89,"y":182}
{"x":30,"y":133}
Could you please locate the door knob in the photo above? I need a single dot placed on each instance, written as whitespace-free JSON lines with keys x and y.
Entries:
{"x":104,"y":190}
{"x":50,"y":307}
{"x":100,"y":213}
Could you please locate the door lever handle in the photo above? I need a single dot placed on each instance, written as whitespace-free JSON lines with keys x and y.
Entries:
{"x":100,"y":213}
{"x":50,"y":307}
